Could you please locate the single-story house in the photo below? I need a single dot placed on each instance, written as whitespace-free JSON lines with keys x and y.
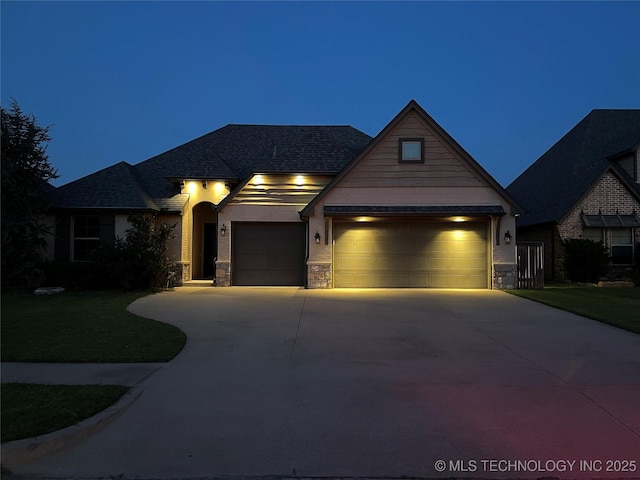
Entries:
{"x":315,"y":206}
{"x":587,"y":185}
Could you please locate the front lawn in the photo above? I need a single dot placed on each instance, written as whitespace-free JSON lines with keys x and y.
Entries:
{"x":83,"y":327}
{"x":30,"y":410}
{"x":616,"y":306}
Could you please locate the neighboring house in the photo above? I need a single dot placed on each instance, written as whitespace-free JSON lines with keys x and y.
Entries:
{"x":586,"y":186}
{"x":315,"y":206}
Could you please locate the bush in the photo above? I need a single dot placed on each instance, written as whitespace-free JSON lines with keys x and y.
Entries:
{"x":137,"y":262}
{"x":636,"y":271}
{"x":585,"y":260}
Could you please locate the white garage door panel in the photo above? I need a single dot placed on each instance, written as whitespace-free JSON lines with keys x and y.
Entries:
{"x":404,"y":254}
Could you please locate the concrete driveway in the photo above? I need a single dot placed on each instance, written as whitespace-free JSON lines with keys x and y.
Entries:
{"x":385,"y":383}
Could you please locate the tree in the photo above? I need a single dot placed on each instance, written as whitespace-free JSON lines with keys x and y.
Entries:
{"x":25,"y":173}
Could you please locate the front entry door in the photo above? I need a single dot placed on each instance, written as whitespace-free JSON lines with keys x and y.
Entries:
{"x":209,"y":251}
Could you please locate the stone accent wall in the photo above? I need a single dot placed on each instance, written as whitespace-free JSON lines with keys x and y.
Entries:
{"x":505,"y":276}
{"x":319,"y":275}
{"x":223,"y":274}
{"x":183,"y":272}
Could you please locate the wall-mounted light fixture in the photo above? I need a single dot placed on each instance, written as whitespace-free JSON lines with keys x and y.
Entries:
{"x":507,"y":238}
{"x":204,"y":184}
{"x":317,"y":237}
{"x":223,"y":230}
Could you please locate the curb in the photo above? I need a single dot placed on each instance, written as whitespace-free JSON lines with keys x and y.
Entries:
{"x":19,"y":452}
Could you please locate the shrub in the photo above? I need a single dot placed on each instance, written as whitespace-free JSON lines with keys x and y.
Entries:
{"x":137,"y":262}
{"x":585,"y":260}
{"x":636,"y":272}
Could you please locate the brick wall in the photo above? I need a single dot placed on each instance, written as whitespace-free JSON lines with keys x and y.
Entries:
{"x":609,"y":196}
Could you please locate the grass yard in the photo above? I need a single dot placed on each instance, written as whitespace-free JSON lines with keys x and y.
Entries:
{"x":83,"y":327}
{"x":616,"y":306}
{"x":30,"y":410}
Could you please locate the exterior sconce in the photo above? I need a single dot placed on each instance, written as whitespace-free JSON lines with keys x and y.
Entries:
{"x":317,"y":237}
{"x":507,"y":238}
{"x":204,"y":184}
{"x":223,"y":230}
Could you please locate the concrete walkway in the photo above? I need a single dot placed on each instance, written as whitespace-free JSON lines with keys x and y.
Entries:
{"x":378,"y":383}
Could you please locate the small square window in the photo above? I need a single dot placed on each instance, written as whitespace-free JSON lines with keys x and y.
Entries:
{"x":411,"y":150}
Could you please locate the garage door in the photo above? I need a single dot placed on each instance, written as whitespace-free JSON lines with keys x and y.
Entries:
{"x":270,"y":254}
{"x":405,"y":254}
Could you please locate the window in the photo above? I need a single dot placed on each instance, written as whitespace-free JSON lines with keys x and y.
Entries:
{"x":411,"y":150}
{"x":595,"y":234}
{"x":621,"y":246}
{"x":86,"y":236}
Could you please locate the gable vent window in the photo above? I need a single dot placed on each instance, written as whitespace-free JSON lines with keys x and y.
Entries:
{"x":411,"y":150}
{"x":86,"y":236}
{"x":621,"y":246}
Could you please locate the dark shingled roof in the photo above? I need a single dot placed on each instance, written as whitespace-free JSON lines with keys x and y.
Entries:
{"x":117,"y":187}
{"x":552,"y":185}
{"x":230,"y":153}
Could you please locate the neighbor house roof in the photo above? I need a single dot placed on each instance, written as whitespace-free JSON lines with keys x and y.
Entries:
{"x":552,"y":185}
{"x":230,"y":153}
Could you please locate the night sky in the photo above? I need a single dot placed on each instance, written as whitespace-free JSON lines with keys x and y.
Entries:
{"x":129,"y":80}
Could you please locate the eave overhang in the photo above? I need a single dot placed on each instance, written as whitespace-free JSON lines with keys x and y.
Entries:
{"x":414,"y":210}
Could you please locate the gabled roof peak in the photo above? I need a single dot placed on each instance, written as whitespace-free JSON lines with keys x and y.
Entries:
{"x":550,"y":186}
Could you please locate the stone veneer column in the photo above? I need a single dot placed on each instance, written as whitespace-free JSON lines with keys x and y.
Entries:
{"x":223,"y":274}
{"x":182,"y":271}
{"x":319,"y":275}
{"x":505,"y":276}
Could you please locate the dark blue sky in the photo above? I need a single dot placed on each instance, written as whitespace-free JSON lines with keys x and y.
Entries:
{"x":126,"y":81}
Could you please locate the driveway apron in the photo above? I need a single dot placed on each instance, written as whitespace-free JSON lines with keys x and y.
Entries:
{"x":424,"y":383}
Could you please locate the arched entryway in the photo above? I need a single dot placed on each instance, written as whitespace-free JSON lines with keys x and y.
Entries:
{"x":204,"y":241}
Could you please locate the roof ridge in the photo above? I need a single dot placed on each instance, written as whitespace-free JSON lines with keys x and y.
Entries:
{"x":135,"y":176}
{"x":284,"y":125}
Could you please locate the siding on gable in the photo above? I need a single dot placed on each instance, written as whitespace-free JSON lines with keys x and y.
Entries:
{"x":441,"y":167}
{"x":290,"y":189}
